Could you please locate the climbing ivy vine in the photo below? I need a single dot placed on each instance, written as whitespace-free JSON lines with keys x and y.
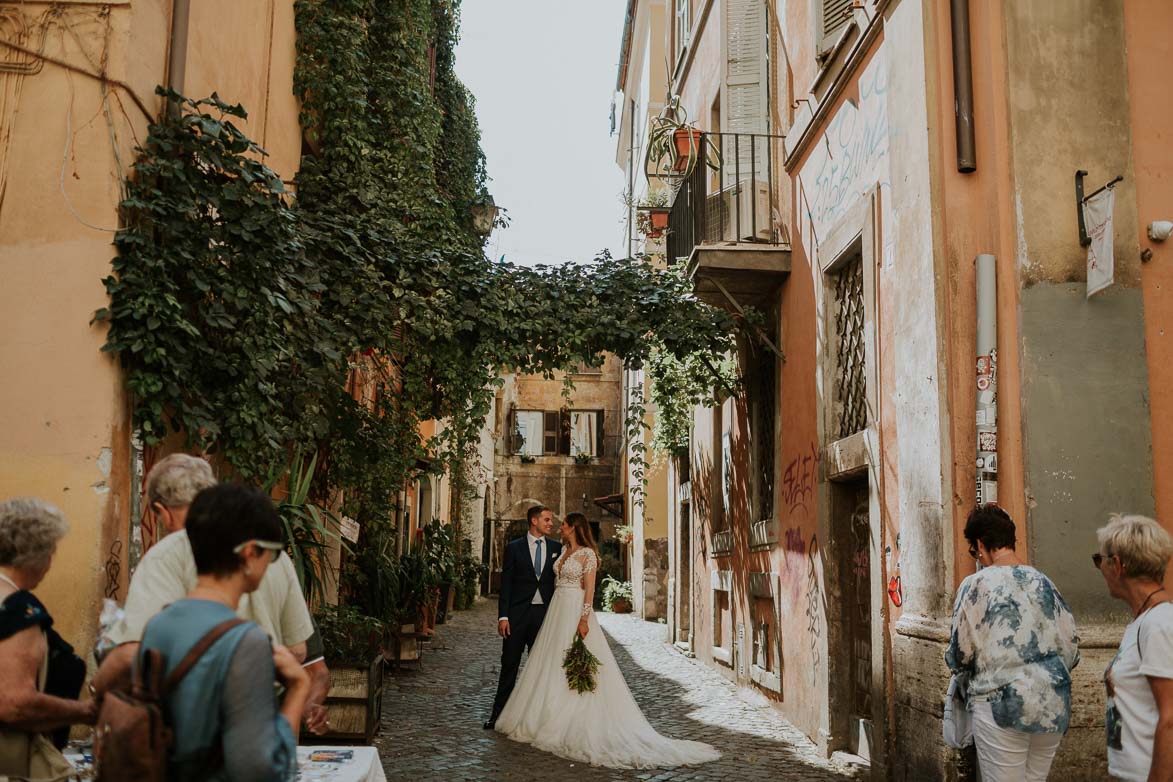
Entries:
{"x":334,"y":322}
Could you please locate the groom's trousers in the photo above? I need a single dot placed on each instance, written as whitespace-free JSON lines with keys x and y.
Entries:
{"x":523,"y":630}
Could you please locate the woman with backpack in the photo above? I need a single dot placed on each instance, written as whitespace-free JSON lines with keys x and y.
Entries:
{"x":223,"y":712}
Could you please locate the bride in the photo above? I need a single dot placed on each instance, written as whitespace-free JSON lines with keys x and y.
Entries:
{"x":604,"y":727}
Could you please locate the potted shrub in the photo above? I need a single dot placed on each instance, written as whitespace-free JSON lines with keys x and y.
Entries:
{"x":469,"y":572}
{"x":616,"y":595}
{"x":352,"y":641}
{"x":582,"y":458}
{"x":652,"y":213}
{"x":675,"y":142}
{"x":440,"y":555}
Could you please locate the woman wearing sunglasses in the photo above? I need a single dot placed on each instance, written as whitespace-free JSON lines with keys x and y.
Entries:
{"x":224,"y":713}
{"x":1134,"y":553}
{"x":1014,"y":637}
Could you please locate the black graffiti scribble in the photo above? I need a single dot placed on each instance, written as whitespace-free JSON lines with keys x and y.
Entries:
{"x":798,"y":480}
{"x":814,"y":626}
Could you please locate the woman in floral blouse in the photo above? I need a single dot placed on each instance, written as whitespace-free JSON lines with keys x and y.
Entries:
{"x":1014,"y":637}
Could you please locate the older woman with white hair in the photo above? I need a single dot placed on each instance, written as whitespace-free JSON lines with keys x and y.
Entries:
{"x":1134,"y":554}
{"x":29,"y":532}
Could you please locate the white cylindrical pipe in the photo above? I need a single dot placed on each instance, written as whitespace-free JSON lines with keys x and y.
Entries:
{"x":986,"y":377}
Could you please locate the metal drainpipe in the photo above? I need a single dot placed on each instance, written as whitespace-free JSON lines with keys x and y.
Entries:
{"x":177,"y":56}
{"x":987,"y":379}
{"x":963,"y":87}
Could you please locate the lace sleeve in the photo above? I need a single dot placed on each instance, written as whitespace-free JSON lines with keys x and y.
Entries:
{"x":589,"y":572}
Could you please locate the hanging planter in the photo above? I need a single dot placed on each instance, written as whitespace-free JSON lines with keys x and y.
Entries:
{"x":652,"y":213}
{"x":688,"y":145}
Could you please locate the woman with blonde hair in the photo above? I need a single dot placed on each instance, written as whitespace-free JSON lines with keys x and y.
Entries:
{"x":603,"y":726}
{"x":1134,"y":554}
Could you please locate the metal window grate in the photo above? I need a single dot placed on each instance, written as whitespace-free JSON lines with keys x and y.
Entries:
{"x":851,"y":384}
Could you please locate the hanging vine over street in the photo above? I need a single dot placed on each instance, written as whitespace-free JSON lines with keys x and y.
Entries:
{"x":335,"y":322}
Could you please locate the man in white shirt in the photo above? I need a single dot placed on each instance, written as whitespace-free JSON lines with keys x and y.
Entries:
{"x":167,"y":573}
{"x":527,"y":586}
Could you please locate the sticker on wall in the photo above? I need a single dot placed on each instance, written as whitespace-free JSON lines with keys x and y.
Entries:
{"x":896,"y":590}
{"x":991,"y":463}
{"x":981,"y":417}
{"x":989,"y":491}
{"x":988,"y":441}
{"x":983,"y":365}
{"x":983,"y":382}
{"x":981,"y":462}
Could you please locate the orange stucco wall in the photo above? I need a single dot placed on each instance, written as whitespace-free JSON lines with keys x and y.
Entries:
{"x":1147,"y":41}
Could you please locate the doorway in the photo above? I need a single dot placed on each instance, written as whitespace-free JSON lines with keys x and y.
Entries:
{"x":851,"y":527}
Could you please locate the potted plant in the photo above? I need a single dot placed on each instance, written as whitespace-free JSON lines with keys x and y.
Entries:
{"x":469,"y":572}
{"x":624,"y":532}
{"x":527,"y":459}
{"x":352,"y":641}
{"x":652,"y":213}
{"x":582,"y":458}
{"x":616,"y":595}
{"x":440,"y":554}
{"x":675,"y":142}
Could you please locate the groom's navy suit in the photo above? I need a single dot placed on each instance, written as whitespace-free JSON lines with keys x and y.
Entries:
{"x":516,"y":602}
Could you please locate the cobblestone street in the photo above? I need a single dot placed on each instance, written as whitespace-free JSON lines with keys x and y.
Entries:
{"x":432,"y":718}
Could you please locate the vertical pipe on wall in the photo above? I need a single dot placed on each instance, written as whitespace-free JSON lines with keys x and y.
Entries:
{"x":987,"y":380}
{"x":177,"y":48}
{"x":963,"y":87}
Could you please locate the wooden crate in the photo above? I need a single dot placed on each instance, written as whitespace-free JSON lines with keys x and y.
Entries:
{"x":354,"y":704}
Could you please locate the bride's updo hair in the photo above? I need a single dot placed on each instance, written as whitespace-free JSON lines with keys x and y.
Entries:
{"x":582,"y":531}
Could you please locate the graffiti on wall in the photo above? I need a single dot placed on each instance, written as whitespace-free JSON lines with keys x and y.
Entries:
{"x":798,"y":480}
{"x":849,"y":158}
{"x":895,"y":582}
{"x":814,"y":599}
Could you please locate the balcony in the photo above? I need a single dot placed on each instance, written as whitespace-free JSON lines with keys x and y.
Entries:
{"x":726,"y":223}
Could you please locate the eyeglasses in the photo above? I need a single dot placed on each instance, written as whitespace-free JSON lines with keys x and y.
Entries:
{"x":1097,"y":559}
{"x":272,"y":547}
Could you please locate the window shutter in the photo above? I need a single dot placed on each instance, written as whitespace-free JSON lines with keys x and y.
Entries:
{"x":564,"y":432}
{"x":745,"y":88}
{"x":510,"y":432}
{"x":599,"y":439}
{"x":550,"y":433}
{"x":833,"y":17}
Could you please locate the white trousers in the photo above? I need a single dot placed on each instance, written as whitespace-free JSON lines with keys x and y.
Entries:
{"x":1006,"y":755}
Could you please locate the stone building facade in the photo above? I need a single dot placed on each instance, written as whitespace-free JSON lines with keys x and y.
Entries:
{"x":560,"y":451}
{"x":815,"y":528}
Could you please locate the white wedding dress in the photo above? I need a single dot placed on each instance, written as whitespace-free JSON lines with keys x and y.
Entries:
{"x":604,"y":727}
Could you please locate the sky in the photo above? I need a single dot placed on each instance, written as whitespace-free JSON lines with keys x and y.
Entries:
{"x":543,"y":74}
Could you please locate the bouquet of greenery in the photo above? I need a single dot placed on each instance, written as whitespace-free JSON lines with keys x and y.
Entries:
{"x":580,"y":666}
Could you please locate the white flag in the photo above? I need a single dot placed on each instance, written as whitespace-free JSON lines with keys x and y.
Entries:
{"x":1097,"y":216}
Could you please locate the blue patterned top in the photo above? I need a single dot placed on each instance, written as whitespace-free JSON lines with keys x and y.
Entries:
{"x":1015,"y":638}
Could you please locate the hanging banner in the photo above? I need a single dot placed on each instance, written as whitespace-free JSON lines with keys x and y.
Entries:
{"x":1097,"y":216}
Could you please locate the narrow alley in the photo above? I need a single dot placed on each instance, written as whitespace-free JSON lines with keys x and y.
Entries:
{"x":432,"y":718}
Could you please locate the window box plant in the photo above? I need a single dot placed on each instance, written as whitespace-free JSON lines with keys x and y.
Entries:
{"x":582,"y":458}
{"x":652,"y":213}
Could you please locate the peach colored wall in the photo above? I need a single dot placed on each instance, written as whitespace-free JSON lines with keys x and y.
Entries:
{"x":63,"y":413}
{"x":1147,"y":41}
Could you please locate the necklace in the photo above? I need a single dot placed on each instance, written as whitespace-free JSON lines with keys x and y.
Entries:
{"x":994,"y":560}
{"x":1145,"y":604}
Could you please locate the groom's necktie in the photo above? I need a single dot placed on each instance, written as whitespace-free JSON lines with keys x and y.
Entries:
{"x":538,"y":560}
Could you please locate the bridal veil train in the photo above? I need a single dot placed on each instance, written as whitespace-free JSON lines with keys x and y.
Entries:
{"x":604,"y":727}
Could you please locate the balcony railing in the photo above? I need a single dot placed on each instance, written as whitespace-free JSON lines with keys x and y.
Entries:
{"x":729,"y":197}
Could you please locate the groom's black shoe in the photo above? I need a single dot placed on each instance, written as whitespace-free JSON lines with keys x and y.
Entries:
{"x":490,"y":723}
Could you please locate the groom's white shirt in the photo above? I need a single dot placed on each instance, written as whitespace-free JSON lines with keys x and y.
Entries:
{"x":539,"y":565}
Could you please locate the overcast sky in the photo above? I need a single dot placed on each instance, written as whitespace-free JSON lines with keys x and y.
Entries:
{"x":543,"y":73}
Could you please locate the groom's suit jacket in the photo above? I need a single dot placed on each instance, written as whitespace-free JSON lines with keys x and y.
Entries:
{"x":518,"y":582}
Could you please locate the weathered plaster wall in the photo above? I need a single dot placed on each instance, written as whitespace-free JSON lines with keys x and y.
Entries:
{"x":1085,"y":381}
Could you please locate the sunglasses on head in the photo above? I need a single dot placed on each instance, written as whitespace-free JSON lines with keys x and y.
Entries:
{"x":268,"y":545}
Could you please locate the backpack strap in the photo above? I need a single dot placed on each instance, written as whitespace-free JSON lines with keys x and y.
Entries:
{"x":197,"y":651}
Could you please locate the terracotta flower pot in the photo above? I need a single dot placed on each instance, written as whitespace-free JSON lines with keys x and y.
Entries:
{"x":688,"y":143}
{"x":620,"y":606}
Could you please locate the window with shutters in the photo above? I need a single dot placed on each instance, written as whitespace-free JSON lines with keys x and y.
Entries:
{"x":832,"y":17}
{"x":744,"y":95}
{"x":557,"y":432}
{"x":762,"y":386}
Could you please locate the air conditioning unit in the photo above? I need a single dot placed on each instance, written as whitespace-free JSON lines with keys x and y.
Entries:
{"x":739,"y":213}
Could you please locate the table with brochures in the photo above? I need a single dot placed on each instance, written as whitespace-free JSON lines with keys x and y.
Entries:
{"x":314,"y":764}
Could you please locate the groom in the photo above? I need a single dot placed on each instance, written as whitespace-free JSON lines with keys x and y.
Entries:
{"x":527,"y":585}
